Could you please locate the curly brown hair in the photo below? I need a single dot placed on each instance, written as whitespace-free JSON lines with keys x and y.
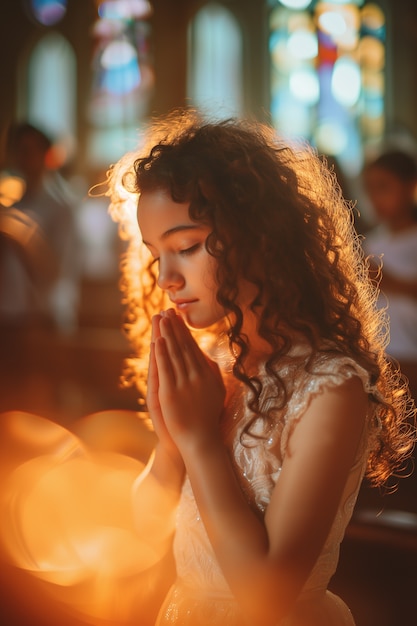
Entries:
{"x":278,"y":220}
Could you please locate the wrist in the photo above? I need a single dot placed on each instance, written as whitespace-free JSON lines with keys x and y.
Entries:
{"x":201,"y":448}
{"x":168,"y":466}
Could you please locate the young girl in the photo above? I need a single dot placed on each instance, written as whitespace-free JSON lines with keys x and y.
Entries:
{"x":267,"y":385}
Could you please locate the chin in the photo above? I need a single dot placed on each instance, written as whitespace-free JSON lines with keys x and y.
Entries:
{"x":196,"y":324}
{"x":200,"y":322}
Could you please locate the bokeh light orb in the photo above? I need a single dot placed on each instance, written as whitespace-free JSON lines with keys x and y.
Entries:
{"x":48,"y":12}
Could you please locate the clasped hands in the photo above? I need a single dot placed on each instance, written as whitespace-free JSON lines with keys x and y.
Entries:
{"x":186,"y":393}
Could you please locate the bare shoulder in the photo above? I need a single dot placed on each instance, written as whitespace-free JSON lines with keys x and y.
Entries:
{"x":321,"y":451}
{"x":337,"y":411}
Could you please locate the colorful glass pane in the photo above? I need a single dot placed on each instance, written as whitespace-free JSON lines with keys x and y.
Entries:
{"x":327,"y":62}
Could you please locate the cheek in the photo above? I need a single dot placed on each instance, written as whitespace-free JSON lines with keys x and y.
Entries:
{"x":209,"y":276}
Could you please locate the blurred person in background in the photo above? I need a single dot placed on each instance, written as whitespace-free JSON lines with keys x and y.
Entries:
{"x":390,"y":182}
{"x":38,"y":263}
{"x":39,"y":275}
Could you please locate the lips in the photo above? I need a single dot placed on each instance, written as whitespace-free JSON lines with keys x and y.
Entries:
{"x":181,"y":304}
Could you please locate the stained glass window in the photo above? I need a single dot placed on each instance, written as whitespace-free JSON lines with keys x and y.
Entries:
{"x":47,"y":92}
{"x":327,"y":75}
{"x":123,"y":78}
{"x":215,"y":62}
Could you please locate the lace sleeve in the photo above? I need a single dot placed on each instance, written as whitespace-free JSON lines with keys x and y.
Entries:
{"x":329,"y":371}
{"x":259,"y":453}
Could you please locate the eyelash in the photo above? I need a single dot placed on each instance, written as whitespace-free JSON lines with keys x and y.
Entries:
{"x":185,"y":252}
{"x":190,"y":250}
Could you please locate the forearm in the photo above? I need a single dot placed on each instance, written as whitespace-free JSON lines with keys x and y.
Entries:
{"x":239,"y":537}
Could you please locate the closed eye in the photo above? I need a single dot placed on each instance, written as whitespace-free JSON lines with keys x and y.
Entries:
{"x":190,"y":250}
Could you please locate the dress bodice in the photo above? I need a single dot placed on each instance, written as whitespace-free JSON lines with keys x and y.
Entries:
{"x":258,"y":456}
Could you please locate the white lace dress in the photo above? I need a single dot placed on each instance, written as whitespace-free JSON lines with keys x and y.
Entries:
{"x":200,"y":595}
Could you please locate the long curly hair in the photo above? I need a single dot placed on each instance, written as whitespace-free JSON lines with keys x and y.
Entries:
{"x":278,"y":220}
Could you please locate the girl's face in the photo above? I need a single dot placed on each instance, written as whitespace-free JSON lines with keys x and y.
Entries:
{"x":186,"y":269}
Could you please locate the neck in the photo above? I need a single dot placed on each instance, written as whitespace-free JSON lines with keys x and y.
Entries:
{"x":259,"y":348}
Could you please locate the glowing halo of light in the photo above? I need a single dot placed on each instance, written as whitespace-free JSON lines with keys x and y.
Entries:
{"x":78,"y":546}
{"x":333,"y":23}
{"x":118,"y":53}
{"x":303,"y":44}
{"x":12,"y":188}
{"x":66,"y":515}
{"x":346,"y":81}
{"x":304,"y":85}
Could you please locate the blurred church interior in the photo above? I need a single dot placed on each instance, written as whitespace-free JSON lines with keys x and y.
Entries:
{"x":88,"y":74}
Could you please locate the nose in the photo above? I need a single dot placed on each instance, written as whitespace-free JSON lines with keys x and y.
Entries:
{"x":169,"y":277}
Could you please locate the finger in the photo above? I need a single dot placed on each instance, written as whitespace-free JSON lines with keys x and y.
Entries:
{"x":173,"y":343}
{"x":173,"y":346}
{"x":152,"y":370}
{"x":152,"y":395}
{"x":193,"y":356}
{"x":152,"y":399}
{"x":155,"y":327}
{"x":166,"y":368}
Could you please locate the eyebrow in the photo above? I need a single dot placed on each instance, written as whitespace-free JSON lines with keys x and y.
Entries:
{"x":175,"y":229}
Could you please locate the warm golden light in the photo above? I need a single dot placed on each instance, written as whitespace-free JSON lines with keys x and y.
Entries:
{"x":373,"y":17}
{"x":67,"y":517}
{"x":372,"y":53}
{"x":21,"y":228}
{"x":12,"y":189}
